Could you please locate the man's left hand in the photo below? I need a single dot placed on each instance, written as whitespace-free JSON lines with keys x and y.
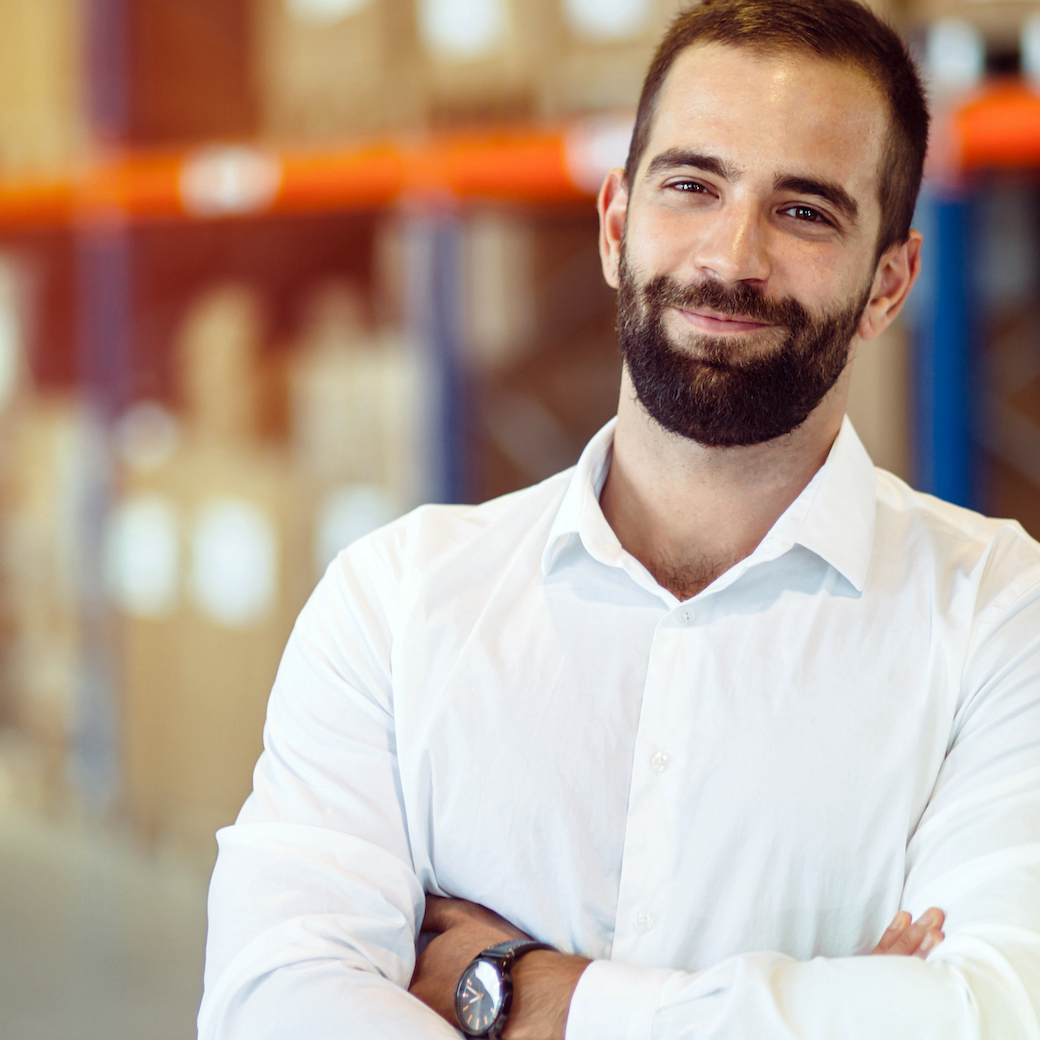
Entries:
{"x":543,"y":981}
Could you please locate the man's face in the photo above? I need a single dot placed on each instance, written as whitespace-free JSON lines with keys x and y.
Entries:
{"x":748,"y":250}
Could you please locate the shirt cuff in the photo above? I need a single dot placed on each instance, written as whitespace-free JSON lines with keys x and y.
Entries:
{"x":615,"y":1001}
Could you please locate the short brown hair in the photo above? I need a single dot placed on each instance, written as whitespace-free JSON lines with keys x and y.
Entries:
{"x":837,"y":30}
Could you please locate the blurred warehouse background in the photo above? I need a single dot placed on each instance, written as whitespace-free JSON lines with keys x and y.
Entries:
{"x":273,"y":272}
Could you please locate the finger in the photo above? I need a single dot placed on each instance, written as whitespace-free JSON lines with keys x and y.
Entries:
{"x":929,"y":943}
{"x":910,"y":941}
{"x":436,"y":918}
{"x":899,"y":925}
{"x":443,"y":913}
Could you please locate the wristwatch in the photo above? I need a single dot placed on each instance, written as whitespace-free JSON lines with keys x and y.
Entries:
{"x":485,"y":991}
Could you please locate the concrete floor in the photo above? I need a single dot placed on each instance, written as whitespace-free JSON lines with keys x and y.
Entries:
{"x":97,"y":940}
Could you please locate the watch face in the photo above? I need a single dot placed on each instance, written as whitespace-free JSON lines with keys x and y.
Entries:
{"x":480,"y":996}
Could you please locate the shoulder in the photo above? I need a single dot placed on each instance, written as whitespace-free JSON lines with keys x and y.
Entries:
{"x":345,"y":632}
{"x":996,"y":558}
{"x":432,"y":538}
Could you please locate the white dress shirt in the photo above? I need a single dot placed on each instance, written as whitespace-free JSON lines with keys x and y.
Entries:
{"x":723,"y":801}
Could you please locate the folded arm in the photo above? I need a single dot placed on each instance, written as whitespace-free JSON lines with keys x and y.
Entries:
{"x":975,"y":853}
{"x":314,"y":906}
{"x":544,"y":981}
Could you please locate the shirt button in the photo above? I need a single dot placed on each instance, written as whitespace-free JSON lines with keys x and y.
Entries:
{"x":686,"y":615}
{"x":659,"y":762}
{"x":644,"y":922}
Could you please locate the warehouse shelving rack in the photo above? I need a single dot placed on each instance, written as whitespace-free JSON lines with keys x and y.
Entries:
{"x":996,"y":129}
{"x":429,"y":179}
{"x":432,"y":176}
{"x":524,"y":165}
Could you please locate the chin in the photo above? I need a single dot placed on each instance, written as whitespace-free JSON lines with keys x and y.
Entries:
{"x":723,"y":351}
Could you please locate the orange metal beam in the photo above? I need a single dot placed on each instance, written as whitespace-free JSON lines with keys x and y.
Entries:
{"x":1000,"y":128}
{"x":525,"y":165}
{"x":34,"y":203}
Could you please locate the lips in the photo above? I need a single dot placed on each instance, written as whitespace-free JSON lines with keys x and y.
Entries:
{"x":716,"y":323}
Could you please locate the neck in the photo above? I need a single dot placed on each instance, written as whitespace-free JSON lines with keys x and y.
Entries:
{"x":689,"y":512}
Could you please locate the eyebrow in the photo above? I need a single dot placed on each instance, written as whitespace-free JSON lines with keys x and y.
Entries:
{"x":829,"y":191}
{"x":676,"y":157}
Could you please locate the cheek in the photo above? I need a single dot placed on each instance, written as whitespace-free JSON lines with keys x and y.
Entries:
{"x":821,"y":277}
{"x":810,"y":278}
{"x":662,"y":240}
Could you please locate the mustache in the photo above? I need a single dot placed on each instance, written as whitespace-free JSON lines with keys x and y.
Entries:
{"x":740,"y":300}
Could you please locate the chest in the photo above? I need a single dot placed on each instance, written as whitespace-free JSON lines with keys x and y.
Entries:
{"x":673,"y":785}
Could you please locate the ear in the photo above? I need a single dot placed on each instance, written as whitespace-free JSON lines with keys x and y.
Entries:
{"x":896,"y":273}
{"x":613,"y":208}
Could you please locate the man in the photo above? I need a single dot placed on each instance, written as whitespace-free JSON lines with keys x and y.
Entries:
{"x":705,"y":712}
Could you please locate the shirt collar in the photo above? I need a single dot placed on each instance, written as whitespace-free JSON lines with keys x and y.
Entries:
{"x":582,"y":495}
{"x":839,"y":524}
{"x":833,"y":516}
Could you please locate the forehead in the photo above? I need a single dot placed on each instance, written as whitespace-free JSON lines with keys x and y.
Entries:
{"x":783,"y":112}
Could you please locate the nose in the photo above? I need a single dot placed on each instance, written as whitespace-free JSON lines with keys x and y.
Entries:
{"x":733,"y":245}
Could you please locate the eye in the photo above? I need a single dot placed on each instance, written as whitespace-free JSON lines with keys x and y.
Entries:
{"x":691,"y":187}
{"x":807,"y":214}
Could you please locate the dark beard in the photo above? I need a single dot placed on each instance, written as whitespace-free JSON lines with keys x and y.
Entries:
{"x":715,"y":400}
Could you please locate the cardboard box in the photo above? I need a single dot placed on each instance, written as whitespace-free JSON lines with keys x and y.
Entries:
{"x":999,"y":21}
{"x":601,"y":61}
{"x":879,"y":400}
{"x":41,"y":89}
{"x":356,"y":420}
{"x":200,"y":648}
{"x":483,"y":57}
{"x":42,"y":526}
{"x":328,"y":75}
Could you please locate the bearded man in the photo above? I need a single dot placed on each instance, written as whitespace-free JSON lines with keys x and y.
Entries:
{"x":658,"y":748}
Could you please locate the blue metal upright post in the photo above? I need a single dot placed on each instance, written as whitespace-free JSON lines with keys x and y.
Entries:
{"x":435,"y":318}
{"x":104,"y":312}
{"x":104,"y":305}
{"x":944,"y":355}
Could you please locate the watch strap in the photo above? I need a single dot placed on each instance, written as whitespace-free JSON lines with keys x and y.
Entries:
{"x":504,"y":956}
{"x":508,"y":953}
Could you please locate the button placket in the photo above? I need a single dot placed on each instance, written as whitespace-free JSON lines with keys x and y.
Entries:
{"x":649,"y":846}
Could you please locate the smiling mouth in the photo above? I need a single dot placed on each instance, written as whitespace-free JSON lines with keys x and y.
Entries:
{"x":717,"y":324}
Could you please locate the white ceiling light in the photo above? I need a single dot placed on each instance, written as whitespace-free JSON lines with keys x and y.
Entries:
{"x":147,"y":435}
{"x":347,"y":514}
{"x":142,"y":556}
{"x":594,"y":146}
{"x":10,"y":330}
{"x":956,"y":54}
{"x":224,"y":180}
{"x":607,"y":19}
{"x":463,"y":29}
{"x":1030,"y":43}
{"x":324,"y":12}
{"x":234,"y":573}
